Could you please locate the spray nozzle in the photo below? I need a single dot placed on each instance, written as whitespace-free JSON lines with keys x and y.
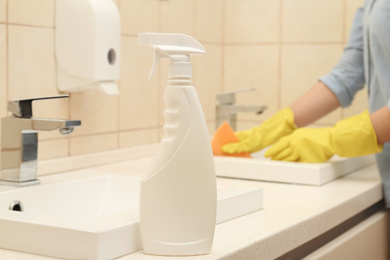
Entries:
{"x":175,"y":47}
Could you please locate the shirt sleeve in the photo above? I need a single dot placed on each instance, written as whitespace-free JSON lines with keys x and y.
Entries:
{"x":347,"y":77}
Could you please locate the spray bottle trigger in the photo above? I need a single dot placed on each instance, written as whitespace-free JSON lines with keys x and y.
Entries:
{"x":158,"y":54}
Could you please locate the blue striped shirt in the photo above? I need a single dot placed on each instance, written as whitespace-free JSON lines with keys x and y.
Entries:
{"x":366,"y":61}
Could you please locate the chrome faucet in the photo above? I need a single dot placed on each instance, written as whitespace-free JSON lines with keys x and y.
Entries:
{"x":19,"y":141}
{"x":227,"y":109}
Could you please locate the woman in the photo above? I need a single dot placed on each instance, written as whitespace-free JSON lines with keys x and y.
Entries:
{"x":365,"y":61}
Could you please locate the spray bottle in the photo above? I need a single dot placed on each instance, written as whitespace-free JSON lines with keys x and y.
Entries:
{"x":178,"y":192}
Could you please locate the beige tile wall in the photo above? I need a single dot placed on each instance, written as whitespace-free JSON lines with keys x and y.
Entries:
{"x":253,"y":66}
{"x":278,"y":47}
{"x":302,"y":64}
{"x":281,"y":48}
{"x":3,"y":69}
{"x":252,"y":21}
{"x":314,"y":21}
{"x":31,"y":12}
{"x":312,"y":42}
{"x":3,"y":11}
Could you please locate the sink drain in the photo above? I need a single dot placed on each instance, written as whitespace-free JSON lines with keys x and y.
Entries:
{"x":16,"y":205}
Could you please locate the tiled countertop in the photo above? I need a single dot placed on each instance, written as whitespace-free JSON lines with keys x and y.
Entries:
{"x":292,"y":214}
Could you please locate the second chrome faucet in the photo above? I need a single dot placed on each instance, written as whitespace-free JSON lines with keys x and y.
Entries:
{"x":227,"y":108}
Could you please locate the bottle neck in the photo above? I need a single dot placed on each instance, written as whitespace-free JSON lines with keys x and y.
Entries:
{"x":180,"y":69}
{"x":179,"y":82}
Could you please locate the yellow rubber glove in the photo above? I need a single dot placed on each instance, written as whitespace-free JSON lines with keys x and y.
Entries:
{"x":351,"y":137}
{"x":257,"y":138}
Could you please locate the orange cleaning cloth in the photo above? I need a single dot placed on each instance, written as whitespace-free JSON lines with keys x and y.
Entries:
{"x":222,"y":136}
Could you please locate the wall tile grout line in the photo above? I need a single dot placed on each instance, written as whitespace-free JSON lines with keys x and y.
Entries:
{"x":284,"y":43}
{"x":344,"y":38}
{"x":280,"y":54}
{"x":30,"y":25}
{"x":7,"y":53}
{"x":55,"y":77}
{"x":203,"y":42}
{"x":118,"y":124}
{"x":160,"y":87}
{"x":223,"y":43}
{"x":104,"y":133}
{"x":344,"y":31}
{"x":6,"y":60}
{"x":321,"y":124}
{"x":194,"y":2}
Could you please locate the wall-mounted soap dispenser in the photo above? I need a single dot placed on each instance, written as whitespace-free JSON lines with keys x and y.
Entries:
{"x":87,"y":35}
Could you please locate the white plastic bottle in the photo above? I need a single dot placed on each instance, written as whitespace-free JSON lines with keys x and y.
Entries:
{"x":178,"y":192}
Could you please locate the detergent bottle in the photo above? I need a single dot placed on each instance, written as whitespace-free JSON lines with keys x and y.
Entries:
{"x":178,"y":198}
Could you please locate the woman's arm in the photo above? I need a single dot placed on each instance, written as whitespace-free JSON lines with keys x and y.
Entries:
{"x":320,"y":100}
{"x":339,"y":87}
{"x":380,"y":120}
{"x":314,"y":104}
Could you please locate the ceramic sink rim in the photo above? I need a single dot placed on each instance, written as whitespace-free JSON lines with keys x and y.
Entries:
{"x":94,"y":225}
{"x":104,"y":236}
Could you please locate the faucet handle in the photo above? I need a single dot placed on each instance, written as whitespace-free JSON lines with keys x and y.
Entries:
{"x":23,"y":107}
{"x":229,"y":97}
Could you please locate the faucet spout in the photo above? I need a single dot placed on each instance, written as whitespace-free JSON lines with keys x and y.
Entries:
{"x":233,"y":109}
{"x":19,"y":142}
{"x":227,"y":109}
{"x":54,"y":124}
{"x":229,"y":113}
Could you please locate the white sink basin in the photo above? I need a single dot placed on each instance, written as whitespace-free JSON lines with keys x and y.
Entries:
{"x":94,"y":218}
